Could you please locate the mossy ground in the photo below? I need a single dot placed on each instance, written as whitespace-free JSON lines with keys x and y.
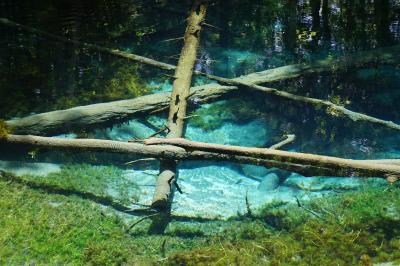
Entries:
{"x":351,"y":228}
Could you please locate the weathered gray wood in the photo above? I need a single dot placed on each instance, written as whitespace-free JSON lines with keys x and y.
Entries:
{"x":330,"y":107}
{"x":95,"y":115}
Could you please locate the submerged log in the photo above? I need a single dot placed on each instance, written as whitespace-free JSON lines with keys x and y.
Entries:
{"x":166,"y":182}
{"x":96,"y":115}
{"x":181,"y":149}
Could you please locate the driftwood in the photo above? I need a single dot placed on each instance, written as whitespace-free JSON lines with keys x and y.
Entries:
{"x":95,"y":115}
{"x":358,"y":167}
{"x":302,"y":163}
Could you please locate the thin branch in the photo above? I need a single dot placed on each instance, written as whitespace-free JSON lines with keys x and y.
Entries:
{"x":141,"y":160}
{"x":141,"y":220}
{"x":289,"y":139}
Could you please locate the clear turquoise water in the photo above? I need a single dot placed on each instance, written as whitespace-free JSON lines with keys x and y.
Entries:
{"x":38,"y":75}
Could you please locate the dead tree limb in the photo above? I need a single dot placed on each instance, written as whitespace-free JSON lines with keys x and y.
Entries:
{"x":358,"y":166}
{"x":302,"y":163}
{"x":289,"y":139}
{"x":96,"y":115}
{"x":331,"y":108}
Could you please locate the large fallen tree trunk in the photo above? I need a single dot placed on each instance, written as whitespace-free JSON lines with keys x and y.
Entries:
{"x":96,"y":115}
{"x":302,"y":163}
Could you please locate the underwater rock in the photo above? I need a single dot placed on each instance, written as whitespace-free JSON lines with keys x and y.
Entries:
{"x":21,"y":168}
{"x":253,"y":134}
{"x":133,"y":129}
{"x":255,"y":170}
{"x":317,"y":183}
{"x":269,"y":182}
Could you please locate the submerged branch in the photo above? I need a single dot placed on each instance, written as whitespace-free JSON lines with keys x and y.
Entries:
{"x":331,"y":108}
{"x":181,"y":149}
{"x":289,"y":139}
{"x":94,"y":115}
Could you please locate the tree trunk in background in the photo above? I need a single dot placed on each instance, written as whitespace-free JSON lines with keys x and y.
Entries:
{"x":290,"y":35}
{"x":382,"y":22}
{"x":316,"y":22}
{"x":361,"y":27}
{"x":326,"y":30}
{"x":225,"y":38}
{"x":164,"y":191}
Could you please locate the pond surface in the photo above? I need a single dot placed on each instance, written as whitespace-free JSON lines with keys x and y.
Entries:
{"x":39,"y":75}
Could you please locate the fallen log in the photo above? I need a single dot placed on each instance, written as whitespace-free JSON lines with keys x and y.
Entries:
{"x":102,"y":114}
{"x":302,"y":163}
{"x":167,"y":179}
{"x":358,"y":167}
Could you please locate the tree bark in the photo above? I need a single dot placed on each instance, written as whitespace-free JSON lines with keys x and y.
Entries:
{"x":181,"y":149}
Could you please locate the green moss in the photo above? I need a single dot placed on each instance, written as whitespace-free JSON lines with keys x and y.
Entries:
{"x":4,"y":129}
{"x":352,"y":228}
{"x":355,"y":228}
{"x":49,"y":229}
{"x":39,"y":228}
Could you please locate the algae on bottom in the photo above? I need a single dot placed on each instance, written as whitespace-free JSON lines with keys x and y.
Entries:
{"x":351,"y":228}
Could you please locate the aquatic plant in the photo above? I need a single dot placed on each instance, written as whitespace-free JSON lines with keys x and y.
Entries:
{"x":105,"y":181}
{"x":355,"y":228}
{"x":215,"y":115}
{"x":4,"y":129}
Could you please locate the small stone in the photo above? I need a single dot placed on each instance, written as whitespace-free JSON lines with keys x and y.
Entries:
{"x":270,"y":182}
